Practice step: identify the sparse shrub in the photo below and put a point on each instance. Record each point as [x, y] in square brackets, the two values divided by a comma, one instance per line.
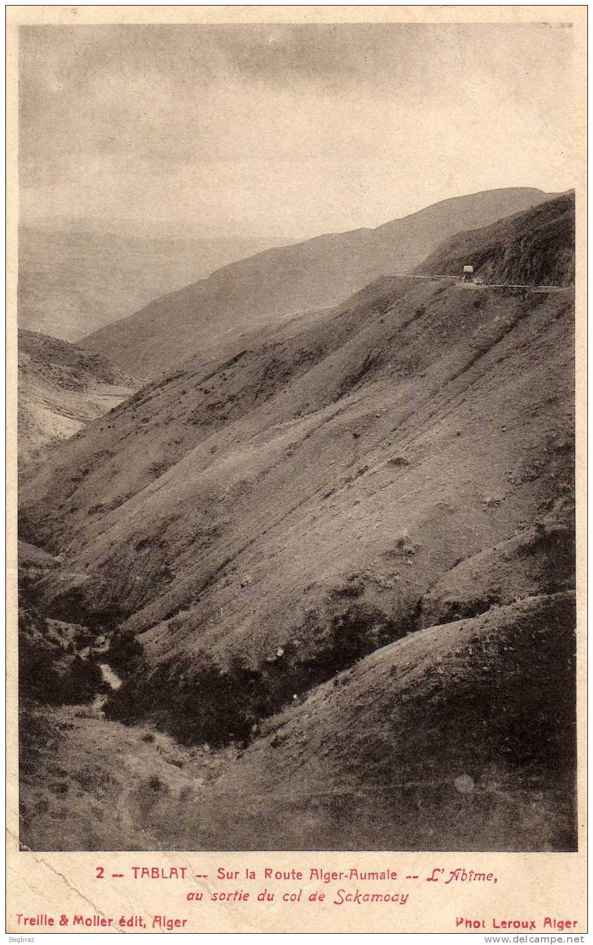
[354, 589]
[126, 653]
[47, 673]
[156, 469]
[85, 681]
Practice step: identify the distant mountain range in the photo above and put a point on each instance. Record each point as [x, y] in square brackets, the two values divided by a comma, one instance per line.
[282, 281]
[74, 280]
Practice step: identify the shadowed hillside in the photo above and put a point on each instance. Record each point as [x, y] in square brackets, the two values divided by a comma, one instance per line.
[290, 279]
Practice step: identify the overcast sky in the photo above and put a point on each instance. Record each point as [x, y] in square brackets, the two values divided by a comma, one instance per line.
[287, 131]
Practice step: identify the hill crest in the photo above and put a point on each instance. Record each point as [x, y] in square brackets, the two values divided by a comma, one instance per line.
[261, 289]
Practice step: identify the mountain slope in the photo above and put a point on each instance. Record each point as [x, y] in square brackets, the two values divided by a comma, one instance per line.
[75, 280]
[287, 511]
[438, 741]
[61, 388]
[316, 273]
[533, 248]
[346, 552]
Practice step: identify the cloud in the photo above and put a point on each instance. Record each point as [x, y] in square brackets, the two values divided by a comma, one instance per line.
[295, 129]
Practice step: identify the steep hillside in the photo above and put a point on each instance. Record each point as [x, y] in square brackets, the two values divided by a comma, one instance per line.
[533, 248]
[458, 738]
[341, 473]
[316, 273]
[438, 741]
[61, 388]
[75, 280]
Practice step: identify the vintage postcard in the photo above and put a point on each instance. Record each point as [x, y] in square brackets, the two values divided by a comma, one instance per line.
[296, 355]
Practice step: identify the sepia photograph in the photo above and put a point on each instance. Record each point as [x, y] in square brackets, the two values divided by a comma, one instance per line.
[296, 434]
